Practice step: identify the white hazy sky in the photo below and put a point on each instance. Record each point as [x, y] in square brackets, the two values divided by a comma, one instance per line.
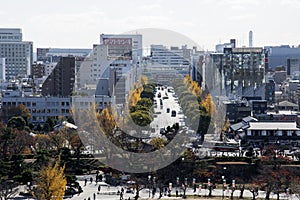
[78, 23]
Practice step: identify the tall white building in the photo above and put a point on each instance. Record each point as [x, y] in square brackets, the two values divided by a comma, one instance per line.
[2, 69]
[18, 54]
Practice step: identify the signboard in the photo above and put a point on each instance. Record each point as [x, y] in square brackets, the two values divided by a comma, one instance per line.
[117, 41]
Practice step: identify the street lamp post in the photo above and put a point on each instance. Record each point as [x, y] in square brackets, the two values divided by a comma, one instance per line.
[223, 179]
[149, 180]
[170, 189]
[209, 187]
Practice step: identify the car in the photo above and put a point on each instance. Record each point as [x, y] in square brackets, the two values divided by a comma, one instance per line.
[173, 113]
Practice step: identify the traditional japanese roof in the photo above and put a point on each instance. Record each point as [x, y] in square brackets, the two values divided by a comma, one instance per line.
[287, 104]
[275, 125]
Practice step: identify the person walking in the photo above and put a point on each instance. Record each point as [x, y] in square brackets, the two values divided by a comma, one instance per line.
[121, 196]
[99, 188]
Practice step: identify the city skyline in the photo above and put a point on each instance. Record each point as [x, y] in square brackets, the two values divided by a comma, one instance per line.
[66, 24]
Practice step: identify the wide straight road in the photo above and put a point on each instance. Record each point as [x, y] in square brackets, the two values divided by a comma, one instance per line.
[165, 103]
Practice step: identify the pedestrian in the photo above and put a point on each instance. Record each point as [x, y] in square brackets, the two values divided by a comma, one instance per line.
[91, 179]
[121, 196]
[80, 189]
[85, 181]
[94, 196]
[99, 188]
[153, 192]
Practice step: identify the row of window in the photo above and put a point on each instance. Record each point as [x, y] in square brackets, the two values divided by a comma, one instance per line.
[273, 133]
[55, 110]
[35, 104]
[10, 37]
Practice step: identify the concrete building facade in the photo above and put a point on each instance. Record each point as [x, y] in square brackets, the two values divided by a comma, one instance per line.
[61, 81]
[18, 54]
[2, 69]
[54, 54]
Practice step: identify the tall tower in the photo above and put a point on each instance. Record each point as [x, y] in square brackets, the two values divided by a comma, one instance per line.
[250, 39]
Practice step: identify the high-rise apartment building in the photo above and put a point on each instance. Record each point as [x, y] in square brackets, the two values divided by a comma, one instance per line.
[61, 81]
[2, 69]
[18, 54]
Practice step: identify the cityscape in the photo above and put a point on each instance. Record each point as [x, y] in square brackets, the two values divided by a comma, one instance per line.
[148, 114]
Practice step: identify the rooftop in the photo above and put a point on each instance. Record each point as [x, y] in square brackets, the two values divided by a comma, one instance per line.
[273, 126]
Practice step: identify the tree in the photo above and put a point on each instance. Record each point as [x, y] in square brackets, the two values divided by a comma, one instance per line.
[49, 123]
[209, 105]
[134, 96]
[20, 110]
[16, 122]
[142, 118]
[158, 143]
[107, 121]
[7, 136]
[51, 183]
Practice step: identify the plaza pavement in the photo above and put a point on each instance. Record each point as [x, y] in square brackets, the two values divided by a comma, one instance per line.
[111, 193]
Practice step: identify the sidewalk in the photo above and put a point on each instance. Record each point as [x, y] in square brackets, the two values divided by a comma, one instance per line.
[90, 192]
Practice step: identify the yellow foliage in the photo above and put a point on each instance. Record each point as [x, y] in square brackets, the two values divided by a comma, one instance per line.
[134, 96]
[143, 80]
[209, 105]
[51, 183]
[193, 86]
[187, 79]
[107, 121]
[226, 125]
[196, 89]
[158, 143]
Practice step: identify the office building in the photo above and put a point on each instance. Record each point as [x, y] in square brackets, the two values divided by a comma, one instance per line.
[54, 54]
[279, 55]
[293, 66]
[42, 107]
[18, 54]
[175, 58]
[123, 46]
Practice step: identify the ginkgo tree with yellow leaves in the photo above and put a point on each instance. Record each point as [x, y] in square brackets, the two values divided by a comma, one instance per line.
[51, 182]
